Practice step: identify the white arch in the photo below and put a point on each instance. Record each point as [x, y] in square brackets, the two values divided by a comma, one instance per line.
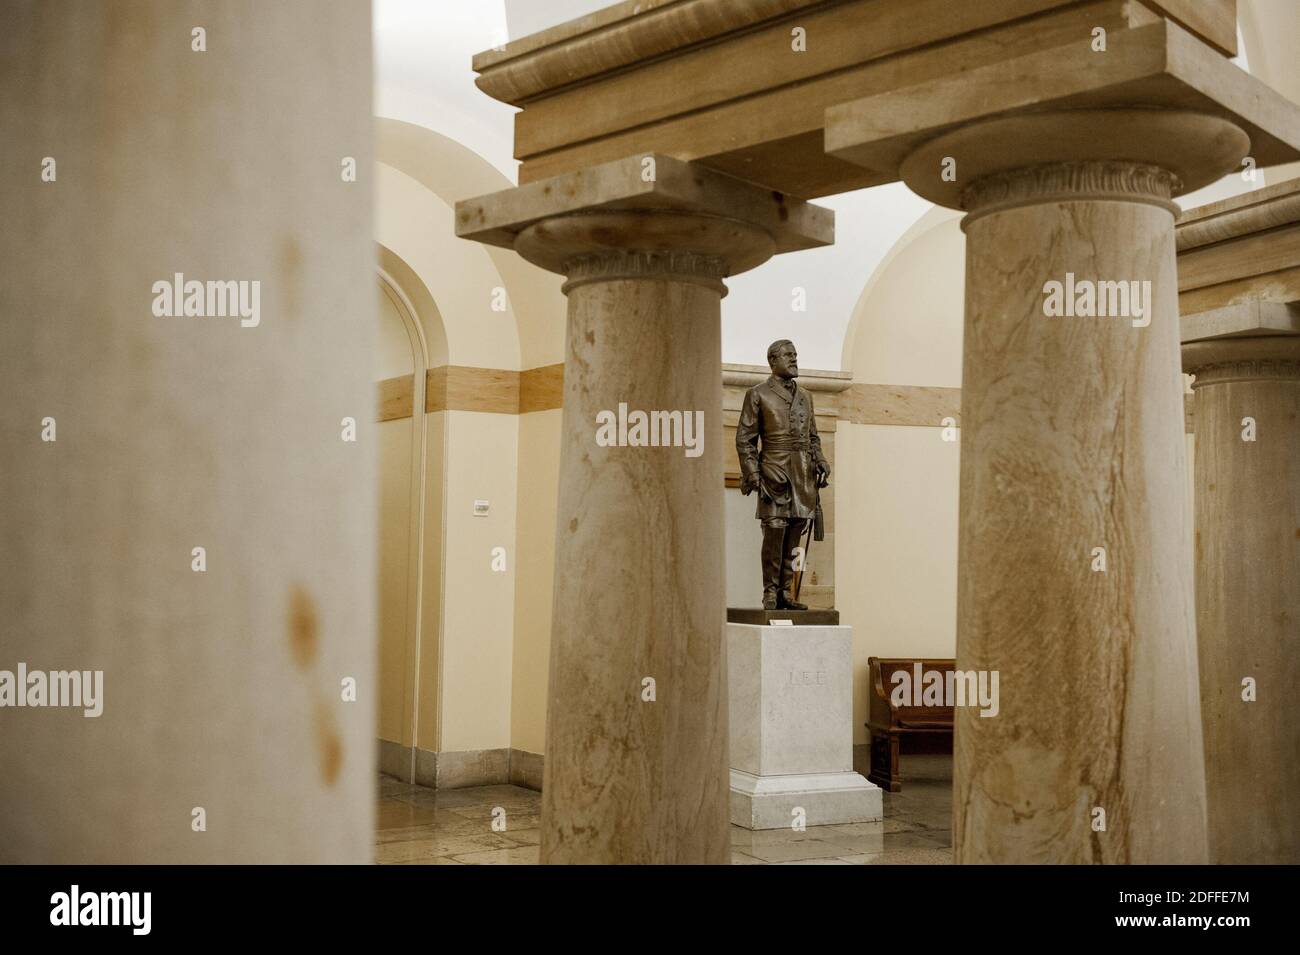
[914, 242]
[418, 465]
[451, 172]
[417, 226]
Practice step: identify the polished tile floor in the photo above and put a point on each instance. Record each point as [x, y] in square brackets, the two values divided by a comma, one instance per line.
[418, 826]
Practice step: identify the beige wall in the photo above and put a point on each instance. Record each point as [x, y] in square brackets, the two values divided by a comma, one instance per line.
[907, 325]
[1270, 34]
[393, 354]
[473, 625]
[431, 592]
[473, 694]
[744, 542]
[896, 561]
[481, 463]
[897, 486]
[395, 530]
[539, 473]
[452, 172]
[418, 226]
[485, 633]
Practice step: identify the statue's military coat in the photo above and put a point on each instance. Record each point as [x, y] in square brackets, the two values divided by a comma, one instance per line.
[786, 466]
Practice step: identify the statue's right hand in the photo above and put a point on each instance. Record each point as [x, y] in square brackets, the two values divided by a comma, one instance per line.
[748, 485]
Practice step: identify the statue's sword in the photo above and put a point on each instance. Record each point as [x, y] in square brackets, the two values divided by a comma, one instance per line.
[807, 545]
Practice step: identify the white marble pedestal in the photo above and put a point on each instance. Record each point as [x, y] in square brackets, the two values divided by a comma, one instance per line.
[791, 713]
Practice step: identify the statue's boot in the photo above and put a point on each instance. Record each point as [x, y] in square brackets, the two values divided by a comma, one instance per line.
[773, 542]
[784, 600]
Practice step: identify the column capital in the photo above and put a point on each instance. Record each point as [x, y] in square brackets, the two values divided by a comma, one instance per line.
[643, 216]
[644, 243]
[1131, 155]
[1156, 95]
[1062, 181]
[1216, 361]
[608, 265]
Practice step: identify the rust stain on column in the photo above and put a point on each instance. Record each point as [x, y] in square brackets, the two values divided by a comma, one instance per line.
[328, 743]
[304, 639]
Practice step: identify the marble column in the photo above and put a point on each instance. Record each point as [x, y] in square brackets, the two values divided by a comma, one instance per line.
[1072, 441]
[636, 735]
[1074, 564]
[1247, 503]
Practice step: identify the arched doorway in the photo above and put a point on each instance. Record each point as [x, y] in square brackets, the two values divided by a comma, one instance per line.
[409, 448]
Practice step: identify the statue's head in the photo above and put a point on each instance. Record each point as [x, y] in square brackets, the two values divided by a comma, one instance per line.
[783, 359]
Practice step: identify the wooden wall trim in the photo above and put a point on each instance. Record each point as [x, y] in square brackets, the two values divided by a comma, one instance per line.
[541, 389]
[396, 396]
[461, 388]
[815, 380]
[500, 391]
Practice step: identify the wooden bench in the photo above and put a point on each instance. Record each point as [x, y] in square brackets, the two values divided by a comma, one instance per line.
[929, 726]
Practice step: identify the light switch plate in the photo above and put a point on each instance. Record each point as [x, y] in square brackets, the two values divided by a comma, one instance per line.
[480, 508]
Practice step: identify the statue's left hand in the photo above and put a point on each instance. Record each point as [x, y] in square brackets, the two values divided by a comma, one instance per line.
[823, 475]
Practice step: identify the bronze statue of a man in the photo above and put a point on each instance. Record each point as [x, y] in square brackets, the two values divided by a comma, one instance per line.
[786, 470]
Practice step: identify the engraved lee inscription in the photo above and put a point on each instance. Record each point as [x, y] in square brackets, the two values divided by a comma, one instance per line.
[807, 677]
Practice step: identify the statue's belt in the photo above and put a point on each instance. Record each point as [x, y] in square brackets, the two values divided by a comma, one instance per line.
[786, 444]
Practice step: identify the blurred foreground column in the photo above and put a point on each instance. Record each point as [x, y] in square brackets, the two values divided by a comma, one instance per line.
[1239, 271]
[148, 146]
[636, 730]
